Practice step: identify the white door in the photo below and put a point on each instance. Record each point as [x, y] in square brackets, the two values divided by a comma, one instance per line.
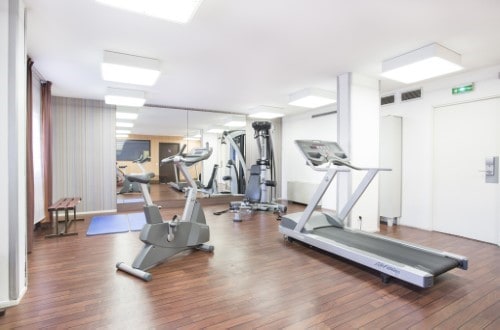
[463, 204]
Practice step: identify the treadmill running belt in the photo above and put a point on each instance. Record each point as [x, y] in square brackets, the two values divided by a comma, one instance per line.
[423, 260]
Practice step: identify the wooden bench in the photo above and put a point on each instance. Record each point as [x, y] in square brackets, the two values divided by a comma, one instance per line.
[64, 204]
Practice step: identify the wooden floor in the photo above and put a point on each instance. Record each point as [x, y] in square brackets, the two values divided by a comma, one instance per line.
[254, 279]
[157, 191]
[167, 197]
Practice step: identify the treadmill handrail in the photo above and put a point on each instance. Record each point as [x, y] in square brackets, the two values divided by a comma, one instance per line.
[323, 187]
[329, 162]
[340, 164]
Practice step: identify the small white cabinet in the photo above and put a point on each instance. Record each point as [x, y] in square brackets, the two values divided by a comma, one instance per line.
[390, 156]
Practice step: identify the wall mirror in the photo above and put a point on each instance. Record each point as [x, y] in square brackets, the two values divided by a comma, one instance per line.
[159, 132]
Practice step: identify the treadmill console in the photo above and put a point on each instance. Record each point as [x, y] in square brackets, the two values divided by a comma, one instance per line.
[321, 152]
[192, 157]
[197, 155]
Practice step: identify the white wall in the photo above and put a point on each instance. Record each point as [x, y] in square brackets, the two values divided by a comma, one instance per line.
[4, 191]
[418, 137]
[13, 147]
[303, 126]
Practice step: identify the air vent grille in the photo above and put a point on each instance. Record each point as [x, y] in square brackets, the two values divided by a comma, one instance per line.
[389, 99]
[410, 95]
[324, 114]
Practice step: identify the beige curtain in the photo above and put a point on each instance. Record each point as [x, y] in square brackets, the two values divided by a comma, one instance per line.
[84, 152]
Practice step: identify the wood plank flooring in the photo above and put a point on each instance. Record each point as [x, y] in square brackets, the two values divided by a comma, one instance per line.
[167, 197]
[254, 279]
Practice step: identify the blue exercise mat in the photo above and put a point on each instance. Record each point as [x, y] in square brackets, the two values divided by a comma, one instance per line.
[136, 221]
[108, 224]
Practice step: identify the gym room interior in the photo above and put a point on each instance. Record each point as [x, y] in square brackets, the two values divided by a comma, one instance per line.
[219, 198]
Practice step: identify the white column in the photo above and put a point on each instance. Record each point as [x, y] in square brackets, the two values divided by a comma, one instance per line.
[13, 145]
[358, 106]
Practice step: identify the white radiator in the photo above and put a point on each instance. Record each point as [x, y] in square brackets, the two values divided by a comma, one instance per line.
[301, 192]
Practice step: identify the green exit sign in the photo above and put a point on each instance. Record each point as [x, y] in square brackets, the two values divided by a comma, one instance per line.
[462, 89]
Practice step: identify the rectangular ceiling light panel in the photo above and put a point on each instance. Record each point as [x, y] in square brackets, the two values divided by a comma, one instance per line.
[266, 115]
[266, 112]
[312, 98]
[427, 62]
[235, 123]
[125, 97]
[215, 131]
[130, 69]
[179, 11]
[124, 124]
[126, 115]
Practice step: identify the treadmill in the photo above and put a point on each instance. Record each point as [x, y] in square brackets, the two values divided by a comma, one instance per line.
[393, 258]
[182, 186]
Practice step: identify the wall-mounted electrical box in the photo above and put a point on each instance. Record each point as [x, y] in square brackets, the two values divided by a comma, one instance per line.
[491, 169]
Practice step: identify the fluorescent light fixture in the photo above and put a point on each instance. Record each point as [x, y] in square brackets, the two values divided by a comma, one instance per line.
[192, 138]
[130, 69]
[215, 131]
[266, 112]
[124, 124]
[179, 11]
[427, 62]
[122, 136]
[126, 97]
[312, 98]
[123, 131]
[266, 115]
[126, 115]
[236, 123]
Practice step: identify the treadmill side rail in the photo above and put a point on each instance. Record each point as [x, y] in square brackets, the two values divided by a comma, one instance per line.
[463, 262]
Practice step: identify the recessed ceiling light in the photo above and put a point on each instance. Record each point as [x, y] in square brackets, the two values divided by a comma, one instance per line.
[126, 115]
[124, 124]
[122, 136]
[427, 62]
[179, 11]
[130, 69]
[125, 97]
[122, 131]
[236, 123]
[266, 115]
[266, 112]
[215, 131]
[312, 98]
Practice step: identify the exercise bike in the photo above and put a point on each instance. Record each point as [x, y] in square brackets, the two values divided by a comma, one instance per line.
[165, 239]
[135, 187]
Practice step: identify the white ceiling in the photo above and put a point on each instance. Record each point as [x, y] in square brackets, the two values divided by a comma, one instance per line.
[238, 54]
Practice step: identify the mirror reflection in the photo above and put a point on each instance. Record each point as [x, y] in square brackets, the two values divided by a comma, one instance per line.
[158, 133]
